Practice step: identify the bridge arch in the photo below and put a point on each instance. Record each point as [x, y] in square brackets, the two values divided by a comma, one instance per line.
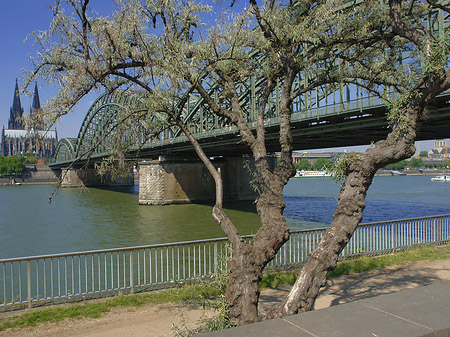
[108, 122]
[65, 151]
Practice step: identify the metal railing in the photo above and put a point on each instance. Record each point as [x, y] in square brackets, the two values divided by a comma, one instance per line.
[64, 277]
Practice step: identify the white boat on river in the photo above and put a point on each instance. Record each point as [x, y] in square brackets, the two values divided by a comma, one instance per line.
[311, 174]
[441, 178]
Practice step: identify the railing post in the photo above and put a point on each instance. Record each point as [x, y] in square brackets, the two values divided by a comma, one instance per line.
[216, 260]
[392, 235]
[131, 272]
[434, 230]
[29, 283]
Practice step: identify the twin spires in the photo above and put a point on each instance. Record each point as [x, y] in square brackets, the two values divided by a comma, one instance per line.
[16, 116]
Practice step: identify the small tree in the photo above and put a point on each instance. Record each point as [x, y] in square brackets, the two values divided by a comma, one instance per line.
[12, 166]
[322, 164]
[303, 164]
[159, 48]
[396, 166]
[424, 154]
[415, 162]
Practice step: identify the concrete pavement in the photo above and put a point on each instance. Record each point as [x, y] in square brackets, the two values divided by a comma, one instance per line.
[422, 311]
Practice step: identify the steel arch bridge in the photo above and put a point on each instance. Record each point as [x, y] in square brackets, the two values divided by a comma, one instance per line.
[328, 116]
[106, 123]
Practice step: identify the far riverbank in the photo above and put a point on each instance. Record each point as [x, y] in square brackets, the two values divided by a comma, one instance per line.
[34, 174]
[42, 174]
[413, 172]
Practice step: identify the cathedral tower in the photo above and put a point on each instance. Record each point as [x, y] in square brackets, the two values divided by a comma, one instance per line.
[15, 121]
[36, 120]
[36, 139]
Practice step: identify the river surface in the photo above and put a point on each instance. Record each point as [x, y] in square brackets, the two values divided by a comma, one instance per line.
[79, 220]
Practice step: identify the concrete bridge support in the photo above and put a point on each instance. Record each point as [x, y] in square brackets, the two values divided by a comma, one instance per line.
[164, 182]
[89, 177]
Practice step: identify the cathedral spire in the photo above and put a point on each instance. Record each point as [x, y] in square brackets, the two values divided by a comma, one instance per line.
[16, 112]
[16, 100]
[36, 120]
[36, 102]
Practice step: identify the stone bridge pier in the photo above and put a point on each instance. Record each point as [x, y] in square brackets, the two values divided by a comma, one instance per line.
[171, 181]
[89, 177]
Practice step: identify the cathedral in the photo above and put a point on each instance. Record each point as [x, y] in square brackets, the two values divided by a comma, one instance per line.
[19, 139]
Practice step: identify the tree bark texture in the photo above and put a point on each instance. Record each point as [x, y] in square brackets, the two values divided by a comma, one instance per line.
[361, 169]
[249, 260]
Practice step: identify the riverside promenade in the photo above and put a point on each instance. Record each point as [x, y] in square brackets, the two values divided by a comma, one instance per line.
[426, 285]
[422, 311]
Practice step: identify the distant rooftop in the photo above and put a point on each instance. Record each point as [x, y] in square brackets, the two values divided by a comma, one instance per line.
[51, 134]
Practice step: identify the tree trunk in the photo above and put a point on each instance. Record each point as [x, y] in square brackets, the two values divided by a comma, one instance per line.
[324, 258]
[243, 293]
[249, 260]
[361, 169]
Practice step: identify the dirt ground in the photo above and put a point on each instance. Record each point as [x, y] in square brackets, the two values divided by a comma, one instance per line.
[159, 320]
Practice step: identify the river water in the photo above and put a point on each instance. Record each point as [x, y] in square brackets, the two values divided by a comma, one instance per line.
[79, 220]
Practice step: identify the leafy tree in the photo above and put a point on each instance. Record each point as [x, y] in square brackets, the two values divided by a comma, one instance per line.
[396, 166]
[424, 154]
[415, 162]
[30, 158]
[12, 166]
[323, 163]
[161, 49]
[303, 164]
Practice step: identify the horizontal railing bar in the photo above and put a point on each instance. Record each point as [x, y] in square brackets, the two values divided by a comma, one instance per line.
[181, 243]
[113, 250]
[74, 275]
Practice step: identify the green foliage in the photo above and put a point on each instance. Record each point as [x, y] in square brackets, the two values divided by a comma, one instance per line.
[366, 263]
[218, 304]
[361, 264]
[323, 164]
[396, 166]
[339, 169]
[435, 56]
[415, 162]
[12, 166]
[187, 293]
[396, 111]
[279, 279]
[424, 153]
[303, 164]
[30, 158]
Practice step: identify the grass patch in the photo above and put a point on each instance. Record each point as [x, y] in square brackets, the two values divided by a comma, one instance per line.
[363, 263]
[205, 291]
[278, 279]
[194, 293]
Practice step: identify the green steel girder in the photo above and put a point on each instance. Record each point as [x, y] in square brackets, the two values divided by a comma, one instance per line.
[314, 112]
[65, 151]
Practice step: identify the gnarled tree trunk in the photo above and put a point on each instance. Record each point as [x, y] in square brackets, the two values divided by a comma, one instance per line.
[361, 169]
[249, 260]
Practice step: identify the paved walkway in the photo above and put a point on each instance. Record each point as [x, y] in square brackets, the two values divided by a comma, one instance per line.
[422, 311]
[158, 320]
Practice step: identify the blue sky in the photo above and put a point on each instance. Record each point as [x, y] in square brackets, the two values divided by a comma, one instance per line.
[18, 18]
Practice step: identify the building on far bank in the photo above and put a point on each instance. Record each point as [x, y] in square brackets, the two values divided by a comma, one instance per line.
[20, 138]
[313, 156]
[439, 152]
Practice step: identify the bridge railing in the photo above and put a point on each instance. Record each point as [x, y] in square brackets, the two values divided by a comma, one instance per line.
[35, 280]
